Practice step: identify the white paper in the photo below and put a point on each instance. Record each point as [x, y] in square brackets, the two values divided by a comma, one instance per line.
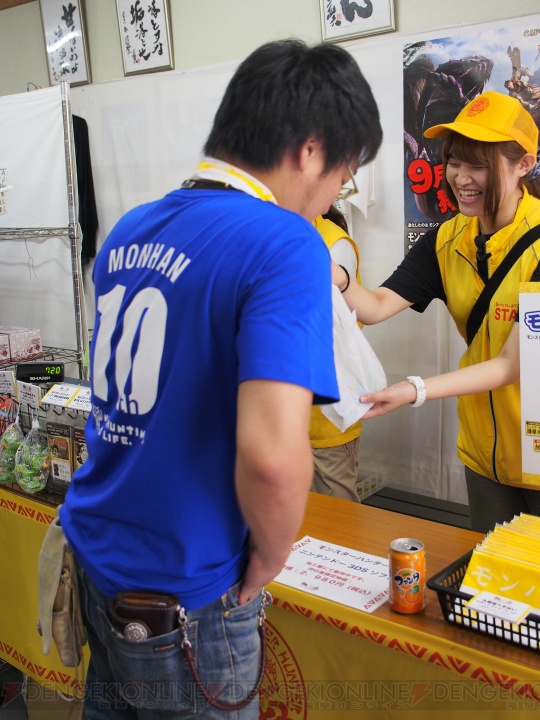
[29, 394]
[7, 382]
[500, 607]
[60, 394]
[337, 573]
[81, 400]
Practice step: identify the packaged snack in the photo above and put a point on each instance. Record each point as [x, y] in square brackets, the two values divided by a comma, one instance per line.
[60, 450]
[9, 445]
[32, 461]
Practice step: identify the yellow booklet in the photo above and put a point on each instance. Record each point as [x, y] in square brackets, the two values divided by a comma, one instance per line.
[507, 562]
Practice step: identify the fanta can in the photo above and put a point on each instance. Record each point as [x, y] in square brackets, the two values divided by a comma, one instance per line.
[407, 574]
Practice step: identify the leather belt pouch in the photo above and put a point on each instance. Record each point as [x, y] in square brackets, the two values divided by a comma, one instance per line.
[60, 617]
[139, 615]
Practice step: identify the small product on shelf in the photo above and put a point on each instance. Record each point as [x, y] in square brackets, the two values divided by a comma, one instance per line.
[8, 408]
[32, 461]
[59, 442]
[80, 452]
[9, 444]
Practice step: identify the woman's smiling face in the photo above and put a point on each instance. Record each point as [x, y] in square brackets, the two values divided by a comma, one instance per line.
[469, 183]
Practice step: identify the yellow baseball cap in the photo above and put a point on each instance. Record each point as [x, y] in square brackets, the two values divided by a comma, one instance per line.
[492, 117]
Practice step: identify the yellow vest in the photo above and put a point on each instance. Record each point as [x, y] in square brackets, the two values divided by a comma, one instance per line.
[489, 440]
[322, 432]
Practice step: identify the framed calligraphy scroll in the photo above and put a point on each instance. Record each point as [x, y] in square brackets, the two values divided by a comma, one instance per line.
[344, 19]
[145, 35]
[65, 41]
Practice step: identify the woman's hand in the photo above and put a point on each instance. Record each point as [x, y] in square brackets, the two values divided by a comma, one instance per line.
[392, 398]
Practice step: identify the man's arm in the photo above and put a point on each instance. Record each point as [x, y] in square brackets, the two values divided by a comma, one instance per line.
[274, 471]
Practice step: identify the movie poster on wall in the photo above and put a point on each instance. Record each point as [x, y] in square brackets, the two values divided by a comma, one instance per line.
[440, 77]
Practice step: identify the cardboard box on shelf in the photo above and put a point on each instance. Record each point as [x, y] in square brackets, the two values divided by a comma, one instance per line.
[23, 344]
[4, 350]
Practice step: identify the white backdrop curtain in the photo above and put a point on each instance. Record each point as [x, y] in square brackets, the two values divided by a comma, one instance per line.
[36, 287]
[146, 135]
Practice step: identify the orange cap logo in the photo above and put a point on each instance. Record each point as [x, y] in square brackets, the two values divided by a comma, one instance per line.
[477, 106]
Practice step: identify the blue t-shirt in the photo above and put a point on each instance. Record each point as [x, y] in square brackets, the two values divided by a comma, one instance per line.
[195, 293]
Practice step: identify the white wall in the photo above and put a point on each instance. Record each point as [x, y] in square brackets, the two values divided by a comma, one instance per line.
[214, 31]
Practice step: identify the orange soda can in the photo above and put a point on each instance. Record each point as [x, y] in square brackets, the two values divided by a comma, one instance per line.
[407, 574]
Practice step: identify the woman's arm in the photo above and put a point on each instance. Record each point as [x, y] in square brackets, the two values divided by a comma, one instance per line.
[342, 253]
[372, 306]
[484, 376]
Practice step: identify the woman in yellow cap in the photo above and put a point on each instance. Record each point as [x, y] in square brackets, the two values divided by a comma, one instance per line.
[335, 453]
[491, 174]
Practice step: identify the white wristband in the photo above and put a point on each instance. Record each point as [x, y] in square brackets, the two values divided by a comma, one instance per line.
[420, 386]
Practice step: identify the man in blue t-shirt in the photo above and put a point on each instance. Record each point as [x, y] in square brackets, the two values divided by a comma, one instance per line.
[213, 338]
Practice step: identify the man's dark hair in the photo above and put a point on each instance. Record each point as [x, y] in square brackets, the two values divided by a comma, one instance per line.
[286, 92]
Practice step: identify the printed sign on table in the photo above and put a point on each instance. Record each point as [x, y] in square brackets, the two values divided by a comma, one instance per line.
[337, 573]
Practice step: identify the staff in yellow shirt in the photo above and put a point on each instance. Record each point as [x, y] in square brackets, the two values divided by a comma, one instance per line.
[335, 453]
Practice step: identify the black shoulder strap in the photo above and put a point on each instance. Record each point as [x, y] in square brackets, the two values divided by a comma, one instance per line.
[482, 304]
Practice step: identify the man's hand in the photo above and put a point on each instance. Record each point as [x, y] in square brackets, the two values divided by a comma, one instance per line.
[258, 575]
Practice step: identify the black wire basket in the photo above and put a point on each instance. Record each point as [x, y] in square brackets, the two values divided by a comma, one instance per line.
[447, 585]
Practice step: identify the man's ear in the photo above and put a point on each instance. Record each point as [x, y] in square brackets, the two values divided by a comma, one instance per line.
[312, 149]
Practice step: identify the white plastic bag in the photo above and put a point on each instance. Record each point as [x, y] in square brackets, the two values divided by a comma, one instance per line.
[358, 369]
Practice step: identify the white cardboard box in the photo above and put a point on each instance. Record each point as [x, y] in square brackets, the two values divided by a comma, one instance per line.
[23, 343]
[4, 350]
[529, 358]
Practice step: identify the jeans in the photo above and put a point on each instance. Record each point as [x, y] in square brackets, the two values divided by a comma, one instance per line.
[151, 679]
